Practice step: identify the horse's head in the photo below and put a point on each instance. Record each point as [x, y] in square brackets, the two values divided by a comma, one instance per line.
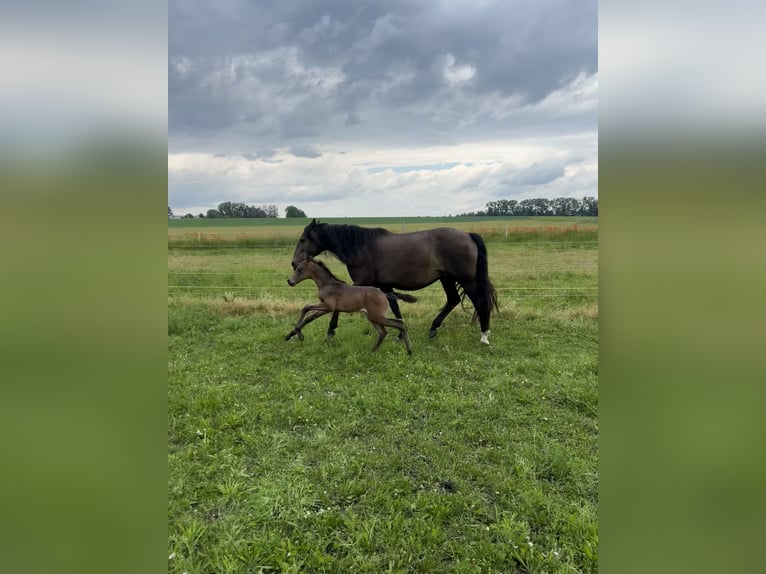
[301, 272]
[309, 244]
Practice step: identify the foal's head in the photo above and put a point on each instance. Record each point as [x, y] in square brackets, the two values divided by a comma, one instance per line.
[302, 271]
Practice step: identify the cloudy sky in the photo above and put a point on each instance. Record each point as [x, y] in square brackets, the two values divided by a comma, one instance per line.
[372, 108]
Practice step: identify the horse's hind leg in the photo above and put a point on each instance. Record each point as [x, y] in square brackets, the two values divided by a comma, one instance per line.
[394, 304]
[482, 310]
[399, 324]
[453, 298]
[333, 325]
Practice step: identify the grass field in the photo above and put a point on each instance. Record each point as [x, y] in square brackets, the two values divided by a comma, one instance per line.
[325, 457]
[203, 232]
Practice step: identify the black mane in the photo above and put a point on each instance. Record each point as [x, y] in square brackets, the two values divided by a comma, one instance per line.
[345, 241]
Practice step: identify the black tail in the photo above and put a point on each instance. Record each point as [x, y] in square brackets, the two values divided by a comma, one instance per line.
[402, 296]
[486, 293]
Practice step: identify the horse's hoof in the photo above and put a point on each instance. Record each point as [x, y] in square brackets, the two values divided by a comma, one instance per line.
[300, 335]
[432, 334]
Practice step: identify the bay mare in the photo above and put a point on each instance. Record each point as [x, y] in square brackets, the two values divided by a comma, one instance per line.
[408, 261]
[335, 295]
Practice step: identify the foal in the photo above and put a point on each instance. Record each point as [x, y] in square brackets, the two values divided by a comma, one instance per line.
[335, 295]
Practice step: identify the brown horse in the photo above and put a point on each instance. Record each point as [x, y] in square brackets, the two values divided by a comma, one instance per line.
[336, 296]
[408, 261]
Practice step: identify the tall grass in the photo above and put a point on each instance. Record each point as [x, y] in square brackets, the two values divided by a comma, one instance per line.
[236, 234]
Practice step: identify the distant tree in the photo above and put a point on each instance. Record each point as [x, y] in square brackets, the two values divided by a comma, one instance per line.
[188, 216]
[565, 206]
[527, 207]
[542, 206]
[502, 207]
[271, 210]
[292, 211]
[170, 211]
[201, 216]
[589, 206]
[253, 211]
[213, 213]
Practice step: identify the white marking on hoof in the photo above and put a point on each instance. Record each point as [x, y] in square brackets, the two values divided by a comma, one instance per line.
[484, 338]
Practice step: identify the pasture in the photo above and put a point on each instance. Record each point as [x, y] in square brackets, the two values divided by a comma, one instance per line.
[324, 457]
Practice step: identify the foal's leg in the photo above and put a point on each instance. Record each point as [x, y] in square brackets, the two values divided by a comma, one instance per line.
[313, 312]
[306, 309]
[453, 298]
[399, 324]
[381, 334]
[333, 325]
[305, 321]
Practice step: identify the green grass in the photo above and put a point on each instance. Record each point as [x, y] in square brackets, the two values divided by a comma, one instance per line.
[325, 457]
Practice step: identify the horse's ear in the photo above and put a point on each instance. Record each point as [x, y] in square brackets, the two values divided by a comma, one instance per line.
[313, 223]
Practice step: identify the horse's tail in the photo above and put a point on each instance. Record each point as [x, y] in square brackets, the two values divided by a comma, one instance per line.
[486, 293]
[401, 296]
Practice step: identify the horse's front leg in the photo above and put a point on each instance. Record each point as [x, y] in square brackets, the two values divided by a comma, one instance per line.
[333, 325]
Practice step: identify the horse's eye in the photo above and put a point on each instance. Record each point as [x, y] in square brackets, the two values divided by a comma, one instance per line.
[302, 240]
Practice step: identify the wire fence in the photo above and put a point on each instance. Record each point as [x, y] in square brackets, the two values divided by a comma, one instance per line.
[233, 245]
[285, 274]
[516, 292]
[538, 274]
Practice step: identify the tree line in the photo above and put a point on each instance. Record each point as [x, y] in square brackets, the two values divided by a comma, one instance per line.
[241, 210]
[541, 206]
[229, 209]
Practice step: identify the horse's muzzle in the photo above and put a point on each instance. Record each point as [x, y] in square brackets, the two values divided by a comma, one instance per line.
[290, 283]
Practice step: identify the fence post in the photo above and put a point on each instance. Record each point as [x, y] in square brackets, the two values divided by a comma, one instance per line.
[506, 232]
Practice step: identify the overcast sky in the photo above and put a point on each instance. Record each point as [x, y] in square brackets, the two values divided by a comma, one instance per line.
[373, 108]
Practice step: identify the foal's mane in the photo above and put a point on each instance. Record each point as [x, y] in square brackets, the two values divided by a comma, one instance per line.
[345, 241]
[327, 269]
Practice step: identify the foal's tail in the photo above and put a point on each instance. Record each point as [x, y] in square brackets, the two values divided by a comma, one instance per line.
[486, 293]
[401, 296]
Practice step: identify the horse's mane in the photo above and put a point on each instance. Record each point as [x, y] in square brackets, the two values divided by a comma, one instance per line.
[345, 241]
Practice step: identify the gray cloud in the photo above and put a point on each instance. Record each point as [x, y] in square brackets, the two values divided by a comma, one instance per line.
[537, 173]
[285, 72]
[344, 75]
[305, 151]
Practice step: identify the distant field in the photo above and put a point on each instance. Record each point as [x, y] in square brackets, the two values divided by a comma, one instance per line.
[325, 457]
[283, 231]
